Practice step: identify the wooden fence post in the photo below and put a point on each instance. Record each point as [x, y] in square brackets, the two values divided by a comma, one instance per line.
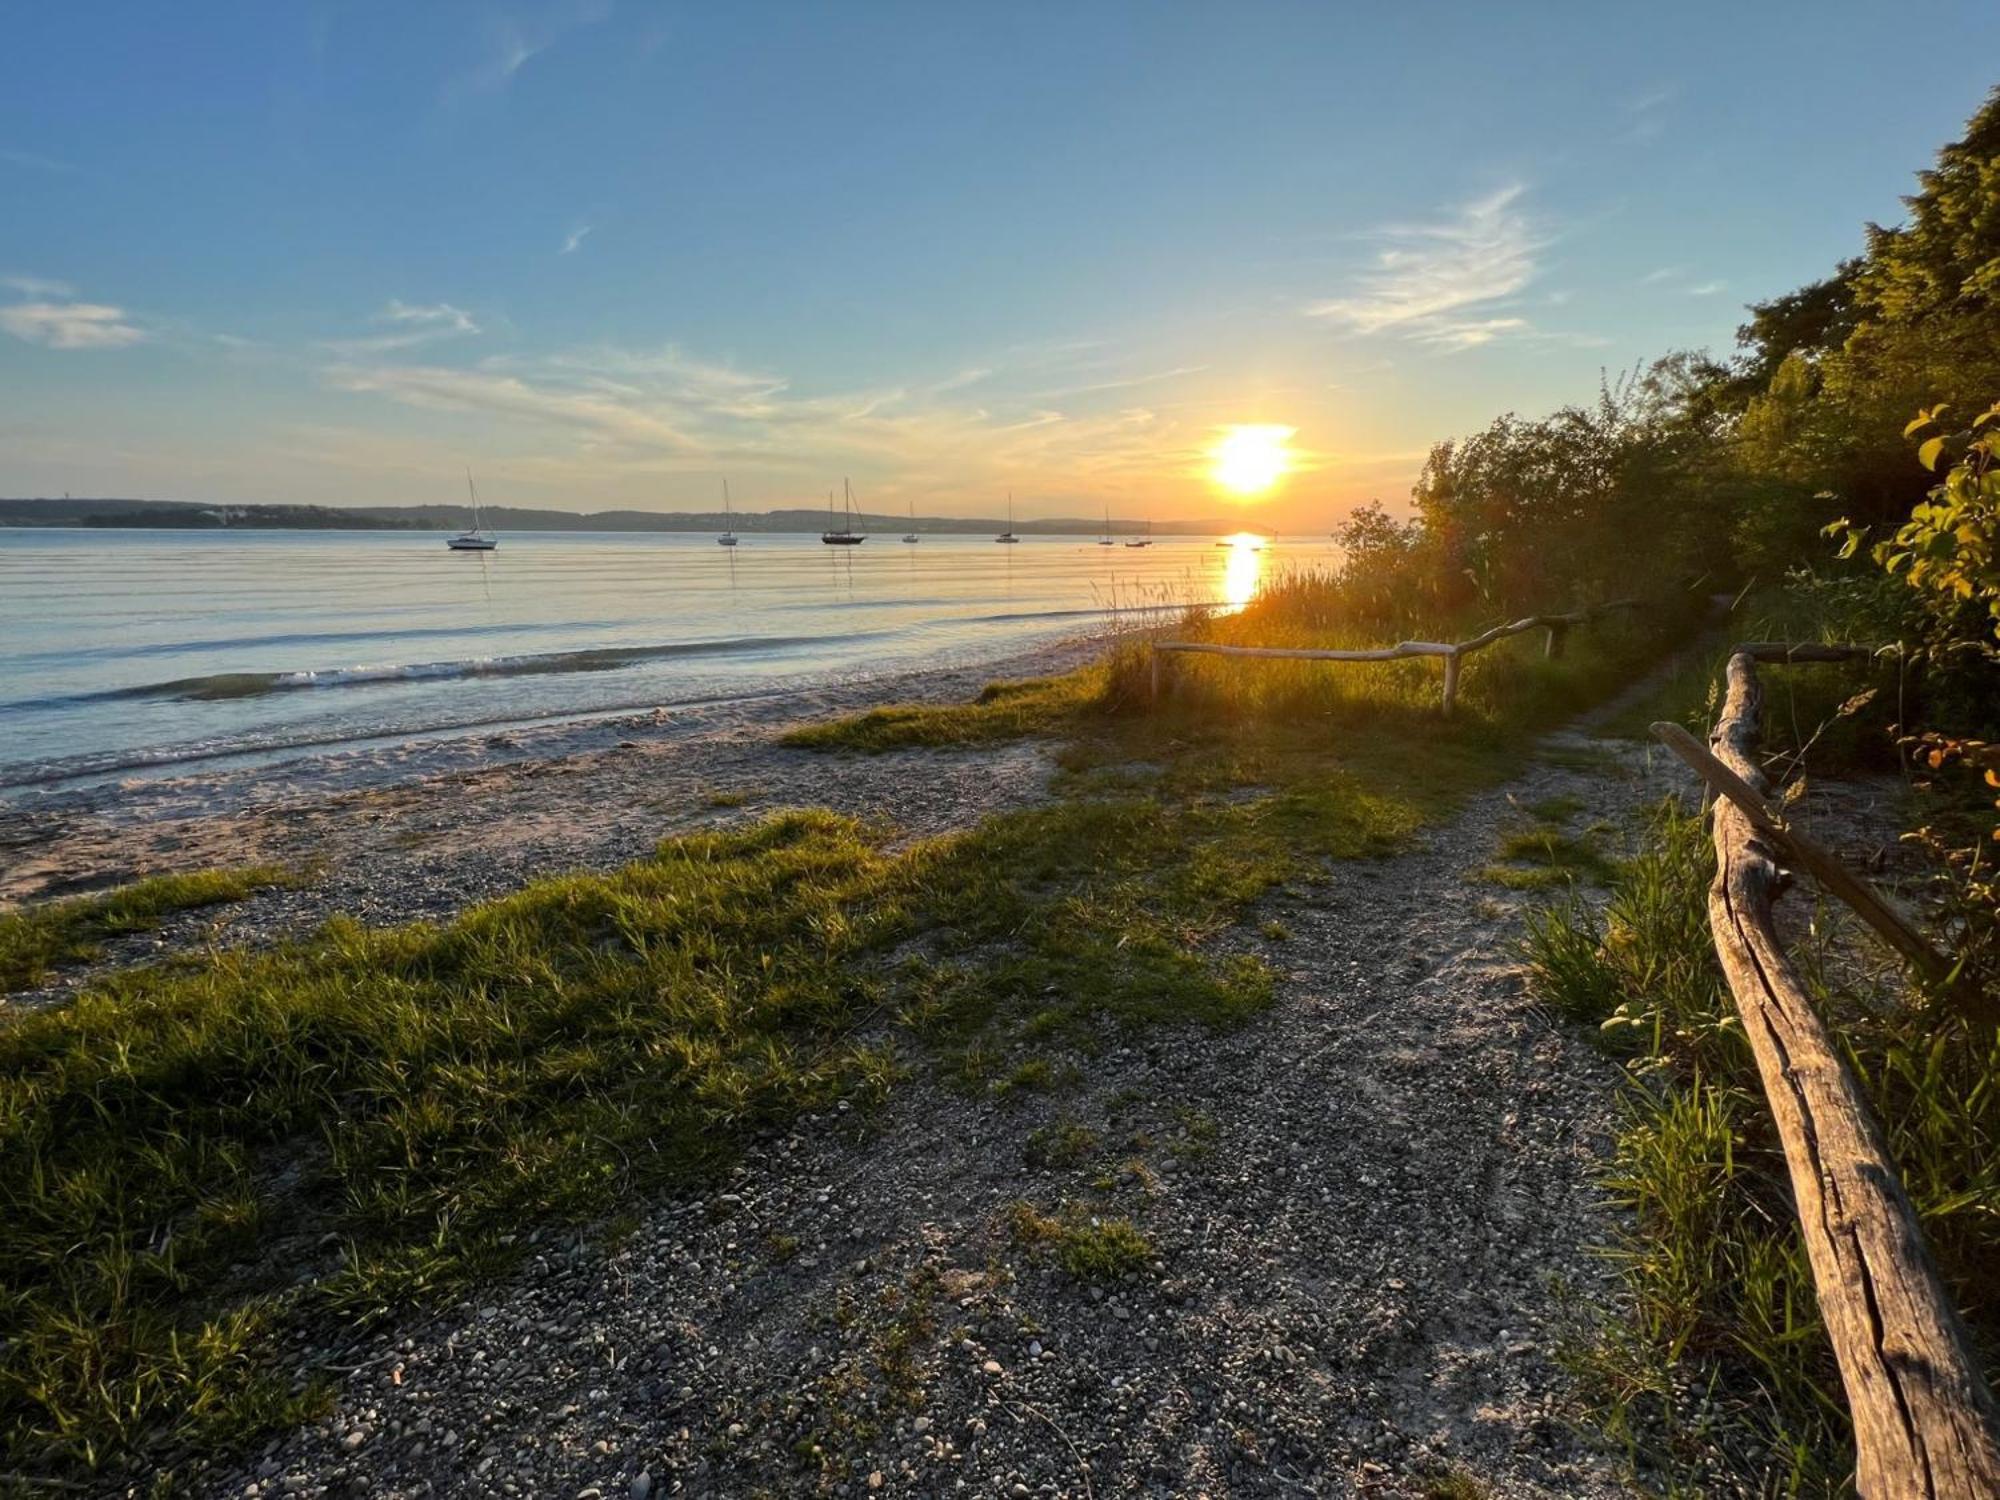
[1153, 655]
[1451, 664]
[1554, 648]
[1924, 1422]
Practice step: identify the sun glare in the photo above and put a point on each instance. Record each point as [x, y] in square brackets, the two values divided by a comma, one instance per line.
[1250, 459]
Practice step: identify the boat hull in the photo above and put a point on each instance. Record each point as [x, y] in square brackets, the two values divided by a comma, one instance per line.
[833, 539]
[471, 543]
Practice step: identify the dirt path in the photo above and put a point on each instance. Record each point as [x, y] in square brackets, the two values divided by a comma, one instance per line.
[1361, 1205]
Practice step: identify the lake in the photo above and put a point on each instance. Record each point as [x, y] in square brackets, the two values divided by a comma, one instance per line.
[128, 650]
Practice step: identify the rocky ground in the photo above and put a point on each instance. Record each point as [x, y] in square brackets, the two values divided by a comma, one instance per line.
[1371, 1214]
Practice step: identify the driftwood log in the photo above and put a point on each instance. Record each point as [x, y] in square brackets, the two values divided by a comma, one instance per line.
[1925, 1424]
[1453, 653]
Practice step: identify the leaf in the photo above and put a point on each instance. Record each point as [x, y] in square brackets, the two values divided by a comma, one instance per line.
[1928, 451]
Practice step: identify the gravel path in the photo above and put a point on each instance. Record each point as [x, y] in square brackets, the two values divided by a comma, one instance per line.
[1362, 1205]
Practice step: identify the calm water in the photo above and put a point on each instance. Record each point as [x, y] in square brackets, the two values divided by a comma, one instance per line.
[128, 649]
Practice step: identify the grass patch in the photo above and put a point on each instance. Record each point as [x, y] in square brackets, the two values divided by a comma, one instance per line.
[1063, 1143]
[1002, 711]
[1536, 858]
[1557, 809]
[197, 1162]
[1089, 1249]
[40, 938]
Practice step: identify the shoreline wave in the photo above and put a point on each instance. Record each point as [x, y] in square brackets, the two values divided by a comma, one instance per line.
[229, 686]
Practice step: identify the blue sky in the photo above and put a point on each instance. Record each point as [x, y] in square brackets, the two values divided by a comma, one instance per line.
[606, 252]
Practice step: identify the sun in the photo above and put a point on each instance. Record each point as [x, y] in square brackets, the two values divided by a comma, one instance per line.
[1250, 459]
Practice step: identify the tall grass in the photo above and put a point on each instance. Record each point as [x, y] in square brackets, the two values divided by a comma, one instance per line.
[1722, 1379]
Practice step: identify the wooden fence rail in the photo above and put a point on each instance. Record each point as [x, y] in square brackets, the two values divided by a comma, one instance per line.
[1452, 653]
[1925, 1424]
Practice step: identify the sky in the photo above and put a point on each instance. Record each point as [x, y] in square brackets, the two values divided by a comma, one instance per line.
[606, 253]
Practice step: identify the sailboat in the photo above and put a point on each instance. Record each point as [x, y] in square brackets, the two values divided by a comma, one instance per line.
[846, 536]
[1105, 540]
[728, 537]
[1142, 541]
[911, 534]
[474, 540]
[1008, 534]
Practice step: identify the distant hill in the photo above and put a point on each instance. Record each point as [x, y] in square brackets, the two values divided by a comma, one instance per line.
[190, 515]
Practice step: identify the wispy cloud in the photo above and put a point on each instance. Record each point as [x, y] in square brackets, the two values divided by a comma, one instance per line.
[1124, 383]
[409, 326]
[1447, 283]
[70, 325]
[1677, 277]
[665, 410]
[33, 161]
[37, 286]
[515, 39]
[50, 315]
[575, 238]
[1646, 114]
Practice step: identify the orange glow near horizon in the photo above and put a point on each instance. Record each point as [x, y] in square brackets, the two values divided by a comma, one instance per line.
[1251, 458]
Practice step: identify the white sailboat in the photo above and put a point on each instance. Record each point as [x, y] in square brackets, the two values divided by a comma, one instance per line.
[1008, 534]
[1142, 541]
[728, 537]
[846, 536]
[1105, 540]
[475, 540]
[911, 534]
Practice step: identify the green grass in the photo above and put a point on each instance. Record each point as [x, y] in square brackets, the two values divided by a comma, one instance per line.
[1002, 711]
[386, 1111]
[40, 938]
[1721, 1380]
[1536, 858]
[1064, 1143]
[1088, 1248]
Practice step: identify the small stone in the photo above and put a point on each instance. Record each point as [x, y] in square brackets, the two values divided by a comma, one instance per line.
[642, 1485]
[1035, 1349]
[992, 1367]
[354, 1439]
[875, 1480]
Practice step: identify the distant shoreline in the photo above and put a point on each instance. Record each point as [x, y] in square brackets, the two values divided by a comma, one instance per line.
[174, 515]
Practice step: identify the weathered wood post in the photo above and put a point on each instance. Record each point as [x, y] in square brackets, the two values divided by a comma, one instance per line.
[1925, 1425]
[1451, 664]
[1552, 650]
[1153, 654]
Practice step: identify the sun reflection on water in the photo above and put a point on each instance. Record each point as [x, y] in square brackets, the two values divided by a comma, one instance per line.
[1243, 568]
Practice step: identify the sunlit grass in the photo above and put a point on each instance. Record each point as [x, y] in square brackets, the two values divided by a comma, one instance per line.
[40, 938]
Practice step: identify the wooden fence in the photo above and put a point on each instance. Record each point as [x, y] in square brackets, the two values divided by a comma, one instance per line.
[1453, 654]
[1925, 1424]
